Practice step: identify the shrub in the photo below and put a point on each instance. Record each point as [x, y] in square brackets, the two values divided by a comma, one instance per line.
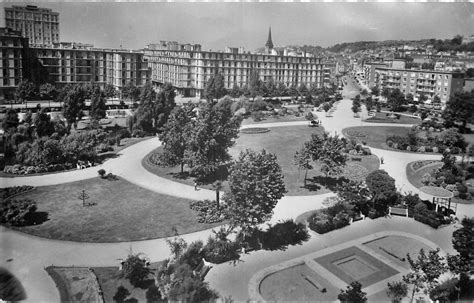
[429, 217]
[420, 208]
[17, 212]
[329, 219]
[218, 250]
[207, 211]
[101, 173]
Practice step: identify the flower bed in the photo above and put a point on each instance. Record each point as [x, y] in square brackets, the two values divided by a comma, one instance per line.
[10, 192]
[254, 130]
[19, 169]
[420, 164]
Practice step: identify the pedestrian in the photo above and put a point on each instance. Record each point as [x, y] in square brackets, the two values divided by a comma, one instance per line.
[195, 185]
[381, 160]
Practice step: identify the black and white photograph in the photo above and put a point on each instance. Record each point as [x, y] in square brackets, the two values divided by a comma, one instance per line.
[237, 151]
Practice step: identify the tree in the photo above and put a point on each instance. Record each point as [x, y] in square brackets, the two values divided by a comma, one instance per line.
[422, 98]
[385, 92]
[364, 93]
[215, 87]
[109, 91]
[281, 89]
[436, 100]
[326, 107]
[271, 88]
[353, 294]
[382, 189]
[331, 156]
[355, 194]
[26, 90]
[43, 124]
[356, 105]
[302, 159]
[236, 91]
[213, 133]
[375, 91]
[255, 84]
[10, 121]
[165, 103]
[175, 134]
[134, 269]
[425, 271]
[131, 92]
[397, 291]
[396, 100]
[98, 107]
[256, 184]
[74, 101]
[459, 109]
[410, 98]
[463, 242]
[48, 91]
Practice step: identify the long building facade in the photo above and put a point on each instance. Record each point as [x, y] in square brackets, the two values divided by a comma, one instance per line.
[188, 67]
[39, 25]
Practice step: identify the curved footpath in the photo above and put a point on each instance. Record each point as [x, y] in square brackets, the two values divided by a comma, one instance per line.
[26, 256]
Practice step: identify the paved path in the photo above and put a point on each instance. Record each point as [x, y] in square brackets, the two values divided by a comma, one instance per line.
[30, 254]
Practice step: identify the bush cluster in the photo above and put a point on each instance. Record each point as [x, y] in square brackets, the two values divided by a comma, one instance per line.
[333, 217]
[207, 211]
[15, 190]
[426, 216]
[219, 250]
[17, 212]
[19, 169]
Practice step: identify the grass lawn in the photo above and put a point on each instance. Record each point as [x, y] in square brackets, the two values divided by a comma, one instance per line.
[273, 119]
[384, 118]
[415, 177]
[375, 136]
[284, 142]
[123, 212]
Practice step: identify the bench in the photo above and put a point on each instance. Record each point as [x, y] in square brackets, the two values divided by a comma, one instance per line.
[312, 282]
[398, 211]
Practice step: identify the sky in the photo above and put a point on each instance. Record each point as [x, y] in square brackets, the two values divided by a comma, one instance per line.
[217, 25]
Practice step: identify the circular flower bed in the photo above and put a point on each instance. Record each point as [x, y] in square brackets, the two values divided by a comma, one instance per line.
[254, 130]
[355, 133]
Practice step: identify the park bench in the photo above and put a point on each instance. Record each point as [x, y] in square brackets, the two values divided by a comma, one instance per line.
[313, 282]
[398, 211]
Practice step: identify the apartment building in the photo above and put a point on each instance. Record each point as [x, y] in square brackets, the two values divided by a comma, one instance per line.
[428, 82]
[39, 25]
[13, 48]
[188, 67]
[69, 63]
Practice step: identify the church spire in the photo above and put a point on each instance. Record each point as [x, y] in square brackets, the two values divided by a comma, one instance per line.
[269, 44]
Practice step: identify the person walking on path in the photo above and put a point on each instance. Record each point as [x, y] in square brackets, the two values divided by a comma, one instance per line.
[381, 160]
[196, 185]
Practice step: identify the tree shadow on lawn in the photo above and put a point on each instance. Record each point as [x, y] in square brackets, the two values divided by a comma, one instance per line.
[221, 174]
[36, 218]
[331, 183]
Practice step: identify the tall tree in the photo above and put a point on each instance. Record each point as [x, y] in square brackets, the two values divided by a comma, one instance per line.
[10, 121]
[302, 159]
[26, 90]
[375, 91]
[215, 87]
[271, 88]
[48, 91]
[164, 104]
[463, 242]
[98, 107]
[396, 100]
[214, 132]
[74, 101]
[255, 84]
[282, 90]
[425, 270]
[382, 189]
[131, 92]
[459, 109]
[43, 124]
[134, 269]
[109, 91]
[175, 134]
[256, 184]
[397, 291]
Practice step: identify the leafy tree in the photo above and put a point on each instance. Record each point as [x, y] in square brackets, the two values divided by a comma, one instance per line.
[98, 107]
[26, 90]
[10, 121]
[109, 91]
[459, 109]
[353, 294]
[131, 92]
[43, 124]
[375, 91]
[281, 89]
[425, 270]
[255, 84]
[134, 269]
[48, 91]
[236, 91]
[302, 159]
[356, 105]
[410, 98]
[463, 242]
[271, 88]
[256, 184]
[331, 156]
[385, 92]
[364, 93]
[382, 189]
[397, 291]
[213, 133]
[396, 100]
[74, 101]
[436, 100]
[422, 98]
[215, 87]
[326, 107]
[175, 134]
[354, 193]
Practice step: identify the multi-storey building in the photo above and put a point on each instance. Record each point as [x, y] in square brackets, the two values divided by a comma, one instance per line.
[416, 82]
[188, 67]
[69, 63]
[13, 48]
[39, 25]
